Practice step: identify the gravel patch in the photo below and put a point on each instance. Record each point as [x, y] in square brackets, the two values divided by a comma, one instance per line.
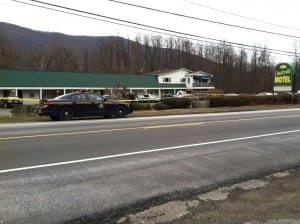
[276, 221]
[5, 112]
[274, 199]
[251, 184]
[217, 195]
[163, 213]
[280, 175]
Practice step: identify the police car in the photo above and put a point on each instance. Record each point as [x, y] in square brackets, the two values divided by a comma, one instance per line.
[79, 104]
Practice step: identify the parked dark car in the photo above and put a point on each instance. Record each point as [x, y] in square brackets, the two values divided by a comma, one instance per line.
[10, 102]
[67, 106]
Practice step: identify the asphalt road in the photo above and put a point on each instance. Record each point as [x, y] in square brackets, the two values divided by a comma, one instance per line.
[54, 172]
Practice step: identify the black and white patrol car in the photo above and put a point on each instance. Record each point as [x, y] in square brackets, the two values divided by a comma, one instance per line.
[78, 104]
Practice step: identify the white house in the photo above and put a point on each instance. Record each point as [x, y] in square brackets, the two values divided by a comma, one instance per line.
[173, 77]
[192, 80]
[199, 81]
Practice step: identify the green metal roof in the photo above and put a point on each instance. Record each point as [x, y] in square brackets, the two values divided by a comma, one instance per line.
[42, 79]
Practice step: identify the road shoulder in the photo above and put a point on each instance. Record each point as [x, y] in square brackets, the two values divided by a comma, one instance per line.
[273, 199]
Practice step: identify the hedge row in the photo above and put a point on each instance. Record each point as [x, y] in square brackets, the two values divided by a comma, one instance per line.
[141, 106]
[177, 103]
[236, 101]
[164, 104]
[218, 101]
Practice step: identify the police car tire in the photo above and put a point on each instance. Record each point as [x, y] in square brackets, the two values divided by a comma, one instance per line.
[120, 111]
[65, 113]
[54, 118]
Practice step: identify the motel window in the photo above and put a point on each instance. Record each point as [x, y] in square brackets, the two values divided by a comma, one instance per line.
[31, 94]
[166, 79]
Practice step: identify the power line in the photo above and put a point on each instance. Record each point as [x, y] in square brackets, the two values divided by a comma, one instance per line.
[79, 15]
[150, 28]
[205, 20]
[240, 16]
[289, 3]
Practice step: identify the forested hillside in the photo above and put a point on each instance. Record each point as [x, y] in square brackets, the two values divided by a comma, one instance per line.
[243, 71]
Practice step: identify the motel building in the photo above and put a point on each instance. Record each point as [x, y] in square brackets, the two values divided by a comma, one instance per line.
[37, 85]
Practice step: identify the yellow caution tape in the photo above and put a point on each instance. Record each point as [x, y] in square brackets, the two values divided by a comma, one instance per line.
[20, 99]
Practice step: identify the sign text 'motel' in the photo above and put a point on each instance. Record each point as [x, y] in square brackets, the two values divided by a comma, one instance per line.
[283, 77]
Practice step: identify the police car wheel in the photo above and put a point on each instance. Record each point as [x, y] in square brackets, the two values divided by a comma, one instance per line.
[54, 118]
[66, 113]
[120, 112]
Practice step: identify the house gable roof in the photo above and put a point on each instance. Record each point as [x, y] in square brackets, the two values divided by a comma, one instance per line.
[157, 73]
[44, 79]
[201, 73]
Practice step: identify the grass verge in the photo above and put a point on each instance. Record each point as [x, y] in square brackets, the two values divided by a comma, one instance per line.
[36, 118]
[19, 118]
[210, 110]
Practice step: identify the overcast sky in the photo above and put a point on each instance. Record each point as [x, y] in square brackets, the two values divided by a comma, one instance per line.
[284, 14]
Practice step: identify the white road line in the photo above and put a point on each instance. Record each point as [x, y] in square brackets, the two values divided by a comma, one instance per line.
[147, 151]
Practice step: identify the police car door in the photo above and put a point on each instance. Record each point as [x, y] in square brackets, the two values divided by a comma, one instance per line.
[97, 104]
[81, 104]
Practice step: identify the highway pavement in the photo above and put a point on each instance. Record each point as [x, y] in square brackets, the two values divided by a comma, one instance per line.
[56, 172]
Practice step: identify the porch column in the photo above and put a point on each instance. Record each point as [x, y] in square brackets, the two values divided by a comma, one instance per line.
[41, 94]
[159, 93]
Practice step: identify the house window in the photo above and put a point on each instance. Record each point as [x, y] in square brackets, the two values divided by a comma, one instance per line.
[166, 79]
[31, 94]
[182, 80]
[189, 80]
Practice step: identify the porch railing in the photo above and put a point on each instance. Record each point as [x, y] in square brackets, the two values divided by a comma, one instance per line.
[203, 84]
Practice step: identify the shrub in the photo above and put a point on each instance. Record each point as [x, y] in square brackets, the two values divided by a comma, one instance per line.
[24, 110]
[141, 106]
[177, 103]
[160, 106]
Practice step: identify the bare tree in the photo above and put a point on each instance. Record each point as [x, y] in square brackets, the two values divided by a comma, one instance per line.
[239, 71]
